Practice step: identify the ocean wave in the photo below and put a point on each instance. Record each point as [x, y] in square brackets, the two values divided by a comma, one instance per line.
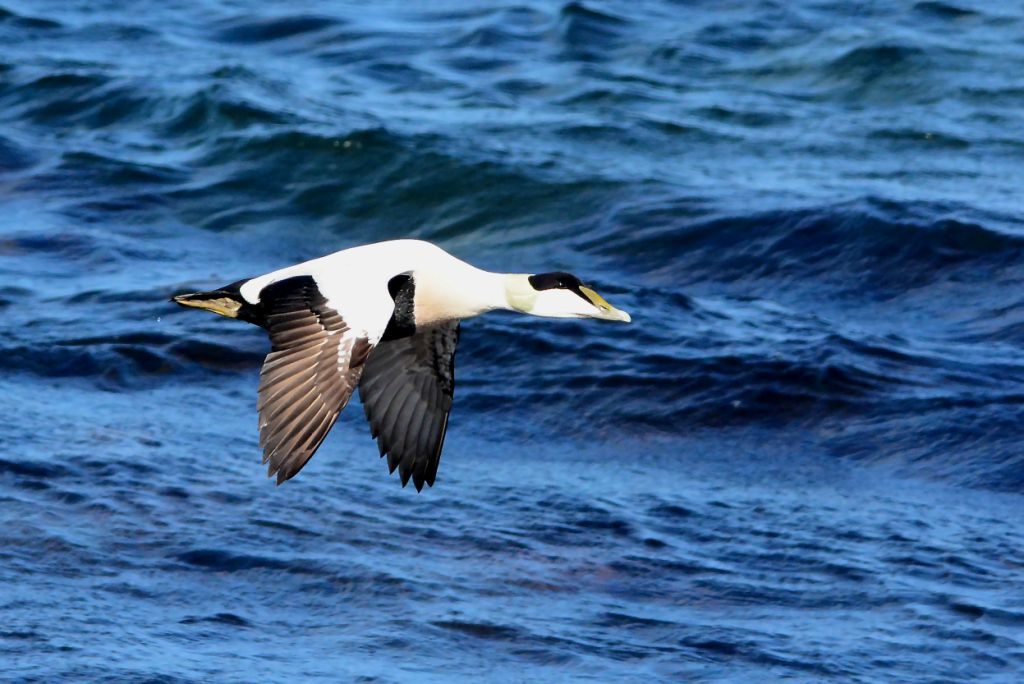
[377, 182]
[80, 95]
[588, 33]
[129, 361]
[943, 10]
[89, 97]
[22, 21]
[249, 31]
[865, 64]
[14, 157]
[896, 246]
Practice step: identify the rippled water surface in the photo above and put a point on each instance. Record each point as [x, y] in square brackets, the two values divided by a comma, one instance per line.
[802, 461]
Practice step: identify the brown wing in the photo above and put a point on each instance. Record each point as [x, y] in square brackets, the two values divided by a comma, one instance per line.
[406, 390]
[308, 377]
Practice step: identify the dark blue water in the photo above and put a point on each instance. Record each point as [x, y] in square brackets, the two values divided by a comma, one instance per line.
[802, 461]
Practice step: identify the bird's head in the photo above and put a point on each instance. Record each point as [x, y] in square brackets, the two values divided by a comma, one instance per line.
[560, 295]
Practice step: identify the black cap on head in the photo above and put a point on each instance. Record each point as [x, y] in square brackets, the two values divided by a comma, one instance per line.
[556, 280]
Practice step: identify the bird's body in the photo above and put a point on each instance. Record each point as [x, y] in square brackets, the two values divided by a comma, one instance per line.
[384, 318]
[356, 281]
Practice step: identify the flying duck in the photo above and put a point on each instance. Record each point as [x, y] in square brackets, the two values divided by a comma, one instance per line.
[384, 318]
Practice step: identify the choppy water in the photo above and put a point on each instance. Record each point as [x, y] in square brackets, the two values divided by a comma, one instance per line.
[802, 461]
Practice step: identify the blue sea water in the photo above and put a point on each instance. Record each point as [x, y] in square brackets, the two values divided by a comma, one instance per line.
[801, 462]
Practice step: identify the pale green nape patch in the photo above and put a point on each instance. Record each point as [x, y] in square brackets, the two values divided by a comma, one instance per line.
[519, 293]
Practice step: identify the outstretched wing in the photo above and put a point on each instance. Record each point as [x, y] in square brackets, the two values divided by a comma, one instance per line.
[308, 377]
[406, 390]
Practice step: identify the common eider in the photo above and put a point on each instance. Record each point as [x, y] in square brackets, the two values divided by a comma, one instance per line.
[384, 318]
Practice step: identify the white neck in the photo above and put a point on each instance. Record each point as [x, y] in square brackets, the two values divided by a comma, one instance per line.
[467, 291]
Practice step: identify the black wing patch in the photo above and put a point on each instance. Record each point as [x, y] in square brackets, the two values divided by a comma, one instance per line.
[406, 390]
[308, 377]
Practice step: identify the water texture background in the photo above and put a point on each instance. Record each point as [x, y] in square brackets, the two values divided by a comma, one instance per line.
[801, 461]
